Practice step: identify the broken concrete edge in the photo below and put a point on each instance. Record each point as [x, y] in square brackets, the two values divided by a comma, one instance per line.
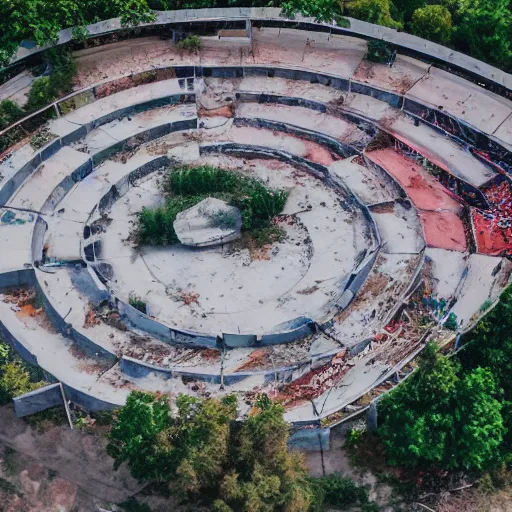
[8, 188]
[462, 133]
[28, 278]
[369, 127]
[474, 69]
[170, 335]
[38, 234]
[323, 418]
[406, 296]
[138, 369]
[122, 186]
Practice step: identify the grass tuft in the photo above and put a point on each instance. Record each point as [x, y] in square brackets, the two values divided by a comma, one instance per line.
[186, 187]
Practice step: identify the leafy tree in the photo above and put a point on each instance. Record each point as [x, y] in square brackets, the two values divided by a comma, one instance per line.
[135, 431]
[373, 11]
[321, 10]
[441, 416]
[489, 346]
[433, 22]
[205, 455]
[41, 21]
[484, 29]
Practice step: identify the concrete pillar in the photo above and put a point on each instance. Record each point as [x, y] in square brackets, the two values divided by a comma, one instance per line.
[372, 417]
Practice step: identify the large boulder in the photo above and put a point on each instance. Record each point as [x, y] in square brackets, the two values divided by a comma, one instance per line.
[210, 222]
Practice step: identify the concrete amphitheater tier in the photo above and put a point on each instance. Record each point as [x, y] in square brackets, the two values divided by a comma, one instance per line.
[426, 230]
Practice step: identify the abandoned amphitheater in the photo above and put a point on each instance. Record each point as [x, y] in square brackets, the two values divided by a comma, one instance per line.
[398, 221]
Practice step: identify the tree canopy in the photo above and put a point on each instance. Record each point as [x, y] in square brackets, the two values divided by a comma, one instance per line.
[203, 454]
[432, 22]
[208, 457]
[443, 416]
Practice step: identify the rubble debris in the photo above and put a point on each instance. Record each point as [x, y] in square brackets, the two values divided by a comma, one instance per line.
[315, 382]
[493, 227]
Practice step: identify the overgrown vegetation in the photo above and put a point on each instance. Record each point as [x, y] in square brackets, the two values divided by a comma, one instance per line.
[10, 112]
[379, 51]
[185, 187]
[206, 457]
[456, 413]
[61, 68]
[336, 492]
[443, 416]
[191, 43]
[59, 82]
[41, 138]
[136, 302]
[16, 378]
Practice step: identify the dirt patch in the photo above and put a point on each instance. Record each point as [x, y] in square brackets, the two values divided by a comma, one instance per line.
[319, 154]
[256, 359]
[383, 208]
[225, 111]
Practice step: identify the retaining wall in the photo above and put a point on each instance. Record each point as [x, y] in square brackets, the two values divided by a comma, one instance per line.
[9, 187]
[38, 400]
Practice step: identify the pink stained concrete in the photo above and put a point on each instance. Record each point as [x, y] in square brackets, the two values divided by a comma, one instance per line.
[444, 230]
[425, 192]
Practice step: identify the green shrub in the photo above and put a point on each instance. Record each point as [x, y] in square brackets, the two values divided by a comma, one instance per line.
[10, 112]
[451, 322]
[335, 491]
[191, 43]
[379, 51]
[137, 303]
[189, 186]
[41, 138]
[41, 94]
[16, 377]
[373, 11]
[14, 381]
[47, 89]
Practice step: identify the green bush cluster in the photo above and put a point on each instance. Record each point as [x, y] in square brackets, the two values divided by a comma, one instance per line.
[443, 416]
[60, 81]
[10, 112]
[188, 186]
[137, 303]
[336, 491]
[204, 455]
[191, 43]
[15, 377]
